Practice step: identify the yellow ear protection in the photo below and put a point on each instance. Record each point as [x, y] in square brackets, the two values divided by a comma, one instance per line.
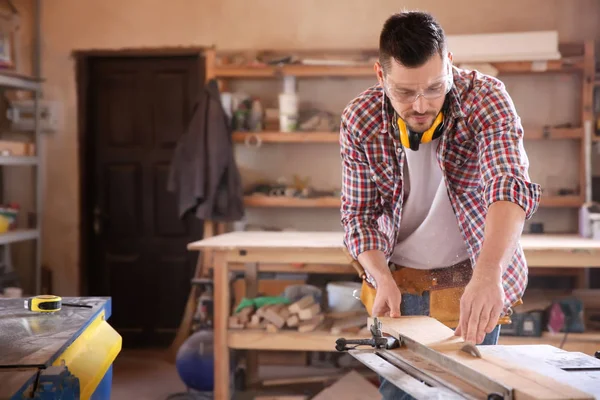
[412, 139]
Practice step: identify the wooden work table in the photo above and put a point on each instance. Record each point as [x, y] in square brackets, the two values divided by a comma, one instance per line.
[323, 252]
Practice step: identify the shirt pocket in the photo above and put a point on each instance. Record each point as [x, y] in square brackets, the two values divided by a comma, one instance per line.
[385, 178]
[462, 166]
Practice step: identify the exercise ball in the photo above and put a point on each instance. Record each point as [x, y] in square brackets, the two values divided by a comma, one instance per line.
[195, 362]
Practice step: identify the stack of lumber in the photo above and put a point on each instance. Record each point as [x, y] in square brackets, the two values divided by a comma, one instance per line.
[304, 315]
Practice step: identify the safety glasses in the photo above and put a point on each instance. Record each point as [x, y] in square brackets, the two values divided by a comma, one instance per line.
[410, 93]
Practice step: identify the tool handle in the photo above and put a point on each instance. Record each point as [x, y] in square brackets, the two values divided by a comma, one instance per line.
[342, 343]
[356, 265]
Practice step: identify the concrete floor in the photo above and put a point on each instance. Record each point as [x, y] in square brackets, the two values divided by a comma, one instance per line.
[144, 375]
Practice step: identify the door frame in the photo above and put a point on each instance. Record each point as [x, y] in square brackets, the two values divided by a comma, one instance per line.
[85, 138]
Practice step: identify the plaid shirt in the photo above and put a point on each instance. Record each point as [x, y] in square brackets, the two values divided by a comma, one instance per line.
[481, 155]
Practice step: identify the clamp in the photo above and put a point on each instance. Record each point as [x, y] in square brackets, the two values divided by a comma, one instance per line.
[377, 340]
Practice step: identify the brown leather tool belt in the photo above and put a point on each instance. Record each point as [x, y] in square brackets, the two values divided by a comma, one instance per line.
[417, 281]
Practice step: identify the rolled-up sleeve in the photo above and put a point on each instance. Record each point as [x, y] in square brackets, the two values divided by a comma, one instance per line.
[503, 160]
[361, 205]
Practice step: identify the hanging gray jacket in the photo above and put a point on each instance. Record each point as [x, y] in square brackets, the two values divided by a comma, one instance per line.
[203, 172]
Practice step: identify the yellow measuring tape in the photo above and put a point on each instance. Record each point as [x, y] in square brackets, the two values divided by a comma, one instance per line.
[49, 304]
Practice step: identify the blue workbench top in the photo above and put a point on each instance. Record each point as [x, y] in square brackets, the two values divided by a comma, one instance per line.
[30, 341]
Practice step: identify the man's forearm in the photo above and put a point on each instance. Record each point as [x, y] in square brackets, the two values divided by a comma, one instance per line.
[503, 228]
[375, 263]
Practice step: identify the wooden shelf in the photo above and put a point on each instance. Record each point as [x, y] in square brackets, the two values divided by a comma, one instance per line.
[19, 81]
[307, 71]
[260, 201]
[291, 202]
[18, 160]
[561, 201]
[299, 70]
[255, 138]
[541, 133]
[540, 67]
[259, 339]
[18, 235]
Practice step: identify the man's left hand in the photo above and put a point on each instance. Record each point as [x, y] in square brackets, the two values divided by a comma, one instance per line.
[480, 307]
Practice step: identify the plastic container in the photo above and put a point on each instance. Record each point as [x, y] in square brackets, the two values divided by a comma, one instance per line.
[595, 226]
[296, 292]
[288, 112]
[341, 296]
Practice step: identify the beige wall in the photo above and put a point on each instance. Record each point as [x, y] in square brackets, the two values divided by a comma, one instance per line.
[112, 24]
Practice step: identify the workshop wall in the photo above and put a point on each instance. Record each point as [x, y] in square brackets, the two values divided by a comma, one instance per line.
[70, 25]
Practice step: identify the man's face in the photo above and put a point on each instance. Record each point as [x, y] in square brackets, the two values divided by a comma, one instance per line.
[417, 94]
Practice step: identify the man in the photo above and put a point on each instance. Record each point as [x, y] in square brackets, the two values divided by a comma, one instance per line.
[435, 185]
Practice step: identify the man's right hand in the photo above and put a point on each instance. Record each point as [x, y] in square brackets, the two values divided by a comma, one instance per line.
[387, 300]
[388, 297]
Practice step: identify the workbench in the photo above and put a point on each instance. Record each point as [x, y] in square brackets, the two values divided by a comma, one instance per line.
[67, 353]
[322, 253]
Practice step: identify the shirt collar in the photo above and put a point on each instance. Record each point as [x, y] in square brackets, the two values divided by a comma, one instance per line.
[454, 103]
[387, 111]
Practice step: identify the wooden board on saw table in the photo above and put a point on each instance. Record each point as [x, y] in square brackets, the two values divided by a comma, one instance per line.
[526, 383]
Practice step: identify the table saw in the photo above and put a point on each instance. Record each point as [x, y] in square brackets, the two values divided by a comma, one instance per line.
[67, 354]
[422, 357]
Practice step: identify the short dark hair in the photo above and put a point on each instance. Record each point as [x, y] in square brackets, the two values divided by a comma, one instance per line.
[410, 38]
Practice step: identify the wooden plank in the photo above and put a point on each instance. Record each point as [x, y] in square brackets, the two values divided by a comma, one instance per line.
[526, 383]
[256, 138]
[291, 255]
[285, 340]
[567, 242]
[299, 268]
[541, 250]
[300, 70]
[333, 240]
[221, 315]
[335, 202]
[291, 202]
[505, 46]
[270, 240]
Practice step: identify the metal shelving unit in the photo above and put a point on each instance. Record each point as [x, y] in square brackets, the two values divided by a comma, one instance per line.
[13, 80]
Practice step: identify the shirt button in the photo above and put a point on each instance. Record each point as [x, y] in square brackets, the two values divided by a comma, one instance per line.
[399, 150]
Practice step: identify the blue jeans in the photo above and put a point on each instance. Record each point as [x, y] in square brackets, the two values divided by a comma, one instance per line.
[419, 305]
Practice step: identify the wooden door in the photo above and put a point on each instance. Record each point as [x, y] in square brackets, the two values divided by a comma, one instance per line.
[138, 109]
